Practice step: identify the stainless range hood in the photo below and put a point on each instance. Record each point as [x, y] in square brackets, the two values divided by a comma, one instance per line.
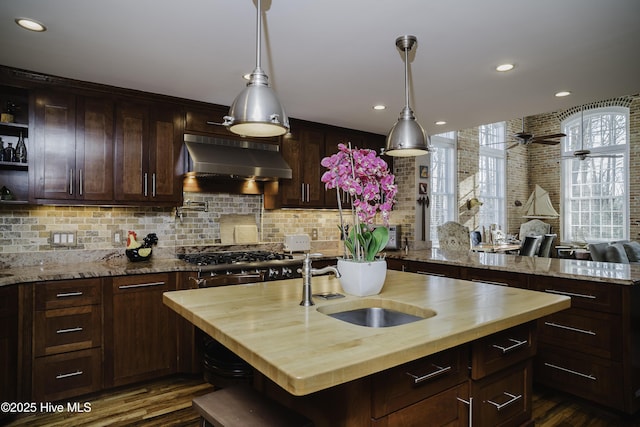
[210, 156]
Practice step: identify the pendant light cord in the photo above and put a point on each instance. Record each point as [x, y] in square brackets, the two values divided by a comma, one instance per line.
[258, 33]
[406, 77]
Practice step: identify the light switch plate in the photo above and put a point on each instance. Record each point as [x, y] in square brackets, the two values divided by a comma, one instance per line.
[297, 242]
[63, 238]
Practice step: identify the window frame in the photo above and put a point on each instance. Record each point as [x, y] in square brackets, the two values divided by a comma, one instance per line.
[447, 180]
[492, 148]
[571, 166]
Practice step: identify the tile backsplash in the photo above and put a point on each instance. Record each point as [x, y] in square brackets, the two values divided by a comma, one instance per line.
[27, 229]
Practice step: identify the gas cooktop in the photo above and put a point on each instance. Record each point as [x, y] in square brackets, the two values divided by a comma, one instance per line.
[234, 257]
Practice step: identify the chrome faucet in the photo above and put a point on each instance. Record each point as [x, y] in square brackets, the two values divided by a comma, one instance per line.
[307, 273]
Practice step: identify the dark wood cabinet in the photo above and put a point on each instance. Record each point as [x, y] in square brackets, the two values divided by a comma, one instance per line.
[140, 331]
[67, 339]
[303, 149]
[73, 142]
[148, 144]
[8, 344]
[15, 175]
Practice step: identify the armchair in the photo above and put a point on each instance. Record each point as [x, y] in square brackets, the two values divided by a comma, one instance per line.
[454, 237]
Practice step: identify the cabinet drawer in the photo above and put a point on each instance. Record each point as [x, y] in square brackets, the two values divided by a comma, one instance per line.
[443, 409]
[434, 269]
[586, 376]
[65, 375]
[587, 295]
[496, 277]
[143, 283]
[67, 329]
[503, 399]
[71, 293]
[404, 385]
[502, 349]
[591, 332]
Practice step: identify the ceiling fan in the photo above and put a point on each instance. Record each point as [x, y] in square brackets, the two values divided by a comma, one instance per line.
[526, 138]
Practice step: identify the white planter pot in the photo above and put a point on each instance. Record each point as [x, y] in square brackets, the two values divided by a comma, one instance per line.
[362, 279]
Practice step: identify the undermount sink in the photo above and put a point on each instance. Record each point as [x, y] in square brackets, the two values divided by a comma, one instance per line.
[374, 313]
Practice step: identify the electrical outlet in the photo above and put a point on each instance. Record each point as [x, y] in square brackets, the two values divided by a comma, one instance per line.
[117, 237]
[314, 234]
[63, 238]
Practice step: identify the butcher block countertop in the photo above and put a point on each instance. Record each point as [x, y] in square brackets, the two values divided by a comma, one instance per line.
[305, 351]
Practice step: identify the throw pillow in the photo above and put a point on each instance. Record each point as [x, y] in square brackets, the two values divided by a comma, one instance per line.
[633, 251]
[598, 251]
[616, 253]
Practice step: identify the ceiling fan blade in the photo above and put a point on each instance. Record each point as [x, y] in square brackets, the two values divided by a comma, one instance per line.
[551, 136]
[514, 145]
[544, 141]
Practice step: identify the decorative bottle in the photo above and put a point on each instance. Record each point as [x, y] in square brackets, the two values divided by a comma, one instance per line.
[21, 150]
[9, 153]
[1, 150]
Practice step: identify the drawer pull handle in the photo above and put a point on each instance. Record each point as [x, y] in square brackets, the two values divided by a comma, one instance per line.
[569, 328]
[417, 379]
[513, 399]
[429, 273]
[141, 285]
[570, 294]
[515, 346]
[490, 282]
[66, 331]
[69, 294]
[571, 371]
[71, 374]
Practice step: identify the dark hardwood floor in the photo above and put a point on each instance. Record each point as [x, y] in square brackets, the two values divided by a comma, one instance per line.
[167, 402]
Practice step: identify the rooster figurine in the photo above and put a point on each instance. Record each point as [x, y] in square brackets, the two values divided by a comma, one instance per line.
[137, 251]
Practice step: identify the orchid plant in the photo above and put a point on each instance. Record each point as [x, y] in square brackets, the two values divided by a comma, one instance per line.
[366, 178]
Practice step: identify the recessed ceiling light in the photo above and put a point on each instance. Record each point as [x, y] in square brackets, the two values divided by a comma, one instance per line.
[505, 67]
[563, 93]
[31, 25]
[441, 122]
[379, 107]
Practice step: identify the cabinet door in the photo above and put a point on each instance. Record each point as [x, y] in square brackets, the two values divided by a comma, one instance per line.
[55, 145]
[8, 344]
[132, 132]
[94, 155]
[303, 150]
[140, 339]
[164, 156]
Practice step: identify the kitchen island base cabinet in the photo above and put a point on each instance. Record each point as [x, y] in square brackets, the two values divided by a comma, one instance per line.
[140, 331]
[477, 384]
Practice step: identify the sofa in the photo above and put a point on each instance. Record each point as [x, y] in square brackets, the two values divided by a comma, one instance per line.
[623, 251]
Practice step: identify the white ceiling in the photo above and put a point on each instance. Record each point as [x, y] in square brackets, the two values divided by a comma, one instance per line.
[330, 61]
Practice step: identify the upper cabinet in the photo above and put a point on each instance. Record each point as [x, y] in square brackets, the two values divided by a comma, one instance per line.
[73, 147]
[303, 148]
[148, 144]
[14, 105]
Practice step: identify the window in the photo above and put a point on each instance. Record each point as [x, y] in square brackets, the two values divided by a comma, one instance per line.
[442, 179]
[595, 175]
[491, 174]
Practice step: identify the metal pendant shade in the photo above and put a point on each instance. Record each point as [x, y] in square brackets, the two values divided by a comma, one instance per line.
[256, 111]
[407, 137]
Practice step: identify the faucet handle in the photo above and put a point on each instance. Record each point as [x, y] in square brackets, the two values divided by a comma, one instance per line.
[312, 255]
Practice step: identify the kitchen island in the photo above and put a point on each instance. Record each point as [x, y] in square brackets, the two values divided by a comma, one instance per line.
[307, 353]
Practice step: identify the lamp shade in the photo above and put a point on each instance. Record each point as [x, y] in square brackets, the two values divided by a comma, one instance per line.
[256, 111]
[406, 138]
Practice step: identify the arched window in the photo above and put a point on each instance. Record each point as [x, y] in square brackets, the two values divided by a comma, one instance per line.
[595, 177]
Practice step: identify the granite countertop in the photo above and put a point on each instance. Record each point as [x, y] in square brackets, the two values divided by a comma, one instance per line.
[608, 272]
[115, 267]
[305, 351]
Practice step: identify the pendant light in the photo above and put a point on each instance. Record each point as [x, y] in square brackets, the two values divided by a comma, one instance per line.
[406, 138]
[256, 111]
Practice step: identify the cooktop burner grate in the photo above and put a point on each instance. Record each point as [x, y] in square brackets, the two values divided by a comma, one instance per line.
[236, 257]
